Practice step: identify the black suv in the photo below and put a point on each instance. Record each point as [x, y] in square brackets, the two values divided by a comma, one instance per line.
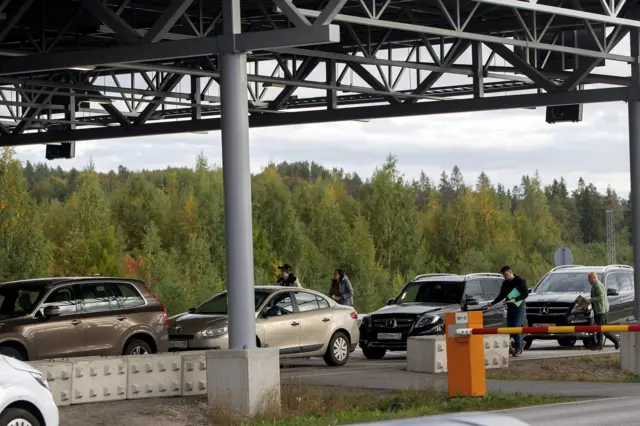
[419, 310]
[552, 301]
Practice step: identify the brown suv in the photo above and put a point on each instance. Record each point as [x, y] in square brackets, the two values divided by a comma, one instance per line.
[70, 317]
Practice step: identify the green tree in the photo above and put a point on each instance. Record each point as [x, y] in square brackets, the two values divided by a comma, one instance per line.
[92, 246]
[24, 250]
[393, 217]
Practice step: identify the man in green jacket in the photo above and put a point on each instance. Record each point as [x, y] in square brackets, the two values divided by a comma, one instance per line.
[600, 304]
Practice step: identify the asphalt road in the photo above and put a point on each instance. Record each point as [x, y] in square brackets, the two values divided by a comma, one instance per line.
[611, 412]
[390, 373]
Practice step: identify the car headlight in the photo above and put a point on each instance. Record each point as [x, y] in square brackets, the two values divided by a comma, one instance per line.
[577, 309]
[215, 331]
[365, 320]
[426, 320]
[40, 379]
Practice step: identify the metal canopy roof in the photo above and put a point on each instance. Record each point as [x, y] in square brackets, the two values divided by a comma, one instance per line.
[86, 69]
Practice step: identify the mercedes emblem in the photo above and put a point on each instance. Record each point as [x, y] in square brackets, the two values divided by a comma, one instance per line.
[391, 323]
[544, 310]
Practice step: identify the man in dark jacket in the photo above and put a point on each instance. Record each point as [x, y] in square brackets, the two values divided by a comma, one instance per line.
[287, 279]
[514, 289]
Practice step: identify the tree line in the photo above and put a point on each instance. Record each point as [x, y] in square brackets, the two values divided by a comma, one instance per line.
[167, 226]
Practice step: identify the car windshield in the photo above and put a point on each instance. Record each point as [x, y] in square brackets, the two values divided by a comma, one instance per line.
[564, 282]
[217, 305]
[19, 299]
[446, 292]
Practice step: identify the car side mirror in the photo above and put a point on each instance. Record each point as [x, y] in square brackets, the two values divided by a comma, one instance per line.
[390, 301]
[51, 311]
[469, 301]
[271, 312]
[192, 310]
[612, 292]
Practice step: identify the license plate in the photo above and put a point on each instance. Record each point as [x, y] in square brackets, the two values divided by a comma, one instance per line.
[178, 344]
[389, 336]
[544, 325]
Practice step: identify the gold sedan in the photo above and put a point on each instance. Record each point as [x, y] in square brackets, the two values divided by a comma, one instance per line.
[301, 323]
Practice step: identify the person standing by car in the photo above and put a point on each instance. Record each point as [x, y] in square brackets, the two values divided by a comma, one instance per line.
[341, 289]
[600, 304]
[287, 278]
[514, 289]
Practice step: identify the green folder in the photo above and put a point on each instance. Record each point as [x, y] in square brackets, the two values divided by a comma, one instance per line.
[512, 295]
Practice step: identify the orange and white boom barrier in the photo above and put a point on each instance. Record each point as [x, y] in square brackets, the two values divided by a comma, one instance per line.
[465, 347]
[551, 329]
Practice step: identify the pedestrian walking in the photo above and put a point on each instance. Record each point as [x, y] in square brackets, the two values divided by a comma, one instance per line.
[514, 290]
[600, 304]
[287, 278]
[341, 289]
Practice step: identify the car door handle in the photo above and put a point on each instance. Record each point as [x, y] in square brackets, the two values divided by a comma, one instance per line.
[326, 319]
[121, 318]
[295, 323]
[75, 322]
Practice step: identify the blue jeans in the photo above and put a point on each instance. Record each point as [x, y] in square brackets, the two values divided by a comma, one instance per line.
[515, 318]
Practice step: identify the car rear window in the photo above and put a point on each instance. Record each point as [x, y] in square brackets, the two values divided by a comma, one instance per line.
[96, 297]
[322, 302]
[306, 301]
[127, 296]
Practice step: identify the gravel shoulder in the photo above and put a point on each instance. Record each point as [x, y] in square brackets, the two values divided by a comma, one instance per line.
[597, 368]
[156, 412]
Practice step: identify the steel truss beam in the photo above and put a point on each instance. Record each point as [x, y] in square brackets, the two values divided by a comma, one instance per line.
[194, 47]
[460, 34]
[572, 13]
[359, 113]
[379, 34]
[112, 20]
[166, 21]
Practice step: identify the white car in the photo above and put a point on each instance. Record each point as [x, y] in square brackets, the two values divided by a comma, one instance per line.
[25, 398]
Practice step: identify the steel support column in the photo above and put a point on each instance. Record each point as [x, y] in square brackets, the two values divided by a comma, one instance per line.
[634, 157]
[477, 69]
[237, 188]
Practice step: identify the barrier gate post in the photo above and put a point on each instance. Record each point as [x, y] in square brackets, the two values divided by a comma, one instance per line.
[465, 355]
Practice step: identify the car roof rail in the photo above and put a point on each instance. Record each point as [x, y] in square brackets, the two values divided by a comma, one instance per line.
[483, 274]
[617, 266]
[566, 267]
[433, 275]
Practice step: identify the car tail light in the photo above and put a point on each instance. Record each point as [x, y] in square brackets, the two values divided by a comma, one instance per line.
[164, 311]
[354, 315]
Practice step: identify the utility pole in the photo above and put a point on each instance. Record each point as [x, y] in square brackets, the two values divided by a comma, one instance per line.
[611, 238]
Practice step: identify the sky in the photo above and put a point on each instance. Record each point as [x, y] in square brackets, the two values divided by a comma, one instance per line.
[503, 144]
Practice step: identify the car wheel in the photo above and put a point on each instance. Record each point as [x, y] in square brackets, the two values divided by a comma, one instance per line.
[11, 353]
[18, 417]
[137, 347]
[338, 350]
[567, 342]
[373, 353]
[586, 343]
[527, 343]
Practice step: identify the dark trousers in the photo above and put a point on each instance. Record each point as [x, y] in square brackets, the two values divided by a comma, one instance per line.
[598, 339]
[515, 318]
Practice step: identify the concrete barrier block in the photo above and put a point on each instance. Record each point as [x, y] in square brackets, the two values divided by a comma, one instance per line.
[496, 352]
[58, 375]
[154, 376]
[194, 374]
[427, 354]
[99, 380]
[628, 359]
[244, 381]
